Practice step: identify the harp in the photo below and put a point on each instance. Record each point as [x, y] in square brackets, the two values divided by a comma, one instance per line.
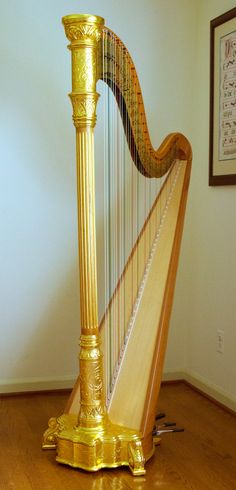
[110, 414]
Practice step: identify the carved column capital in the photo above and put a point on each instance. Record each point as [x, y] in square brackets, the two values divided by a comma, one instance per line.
[83, 28]
[84, 109]
[84, 32]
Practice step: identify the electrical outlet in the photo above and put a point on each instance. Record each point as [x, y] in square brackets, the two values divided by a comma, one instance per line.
[220, 341]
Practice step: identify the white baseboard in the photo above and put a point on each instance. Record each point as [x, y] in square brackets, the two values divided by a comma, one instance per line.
[67, 382]
[36, 384]
[201, 383]
[170, 375]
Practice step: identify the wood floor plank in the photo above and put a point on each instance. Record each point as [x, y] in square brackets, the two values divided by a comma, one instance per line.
[201, 458]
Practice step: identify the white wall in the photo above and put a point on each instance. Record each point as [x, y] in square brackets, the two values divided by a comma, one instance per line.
[39, 293]
[206, 288]
[214, 238]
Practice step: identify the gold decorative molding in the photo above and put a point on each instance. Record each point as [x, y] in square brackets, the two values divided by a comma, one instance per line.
[92, 450]
[83, 27]
[84, 109]
[82, 32]
[92, 408]
[82, 74]
[50, 434]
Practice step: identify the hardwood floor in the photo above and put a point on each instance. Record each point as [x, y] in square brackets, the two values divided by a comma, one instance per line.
[201, 458]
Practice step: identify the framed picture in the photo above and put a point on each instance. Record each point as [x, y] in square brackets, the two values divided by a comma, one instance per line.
[222, 161]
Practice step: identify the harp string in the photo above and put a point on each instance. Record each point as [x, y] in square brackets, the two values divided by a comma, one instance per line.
[128, 198]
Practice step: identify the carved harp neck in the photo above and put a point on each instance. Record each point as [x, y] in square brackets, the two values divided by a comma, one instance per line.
[117, 69]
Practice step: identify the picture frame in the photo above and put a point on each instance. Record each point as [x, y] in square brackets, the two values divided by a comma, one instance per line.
[222, 141]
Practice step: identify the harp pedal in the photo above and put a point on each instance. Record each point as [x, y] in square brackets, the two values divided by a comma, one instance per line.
[165, 427]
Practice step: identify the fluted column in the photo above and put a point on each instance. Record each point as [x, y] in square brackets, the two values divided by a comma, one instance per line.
[84, 33]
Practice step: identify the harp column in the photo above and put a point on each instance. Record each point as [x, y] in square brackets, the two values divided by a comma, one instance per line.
[84, 32]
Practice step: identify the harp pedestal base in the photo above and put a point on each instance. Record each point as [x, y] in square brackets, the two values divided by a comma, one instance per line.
[108, 446]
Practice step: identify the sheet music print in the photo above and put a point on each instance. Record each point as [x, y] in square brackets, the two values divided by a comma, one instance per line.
[227, 123]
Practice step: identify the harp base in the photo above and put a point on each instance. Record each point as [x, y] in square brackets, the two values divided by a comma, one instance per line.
[108, 446]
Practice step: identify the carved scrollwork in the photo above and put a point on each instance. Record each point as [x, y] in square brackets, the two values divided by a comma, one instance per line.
[91, 381]
[82, 32]
[84, 72]
[50, 435]
[84, 108]
[88, 412]
[55, 426]
[136, 457]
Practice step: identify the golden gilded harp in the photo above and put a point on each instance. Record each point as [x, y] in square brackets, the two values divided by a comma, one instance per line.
[110, 415]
